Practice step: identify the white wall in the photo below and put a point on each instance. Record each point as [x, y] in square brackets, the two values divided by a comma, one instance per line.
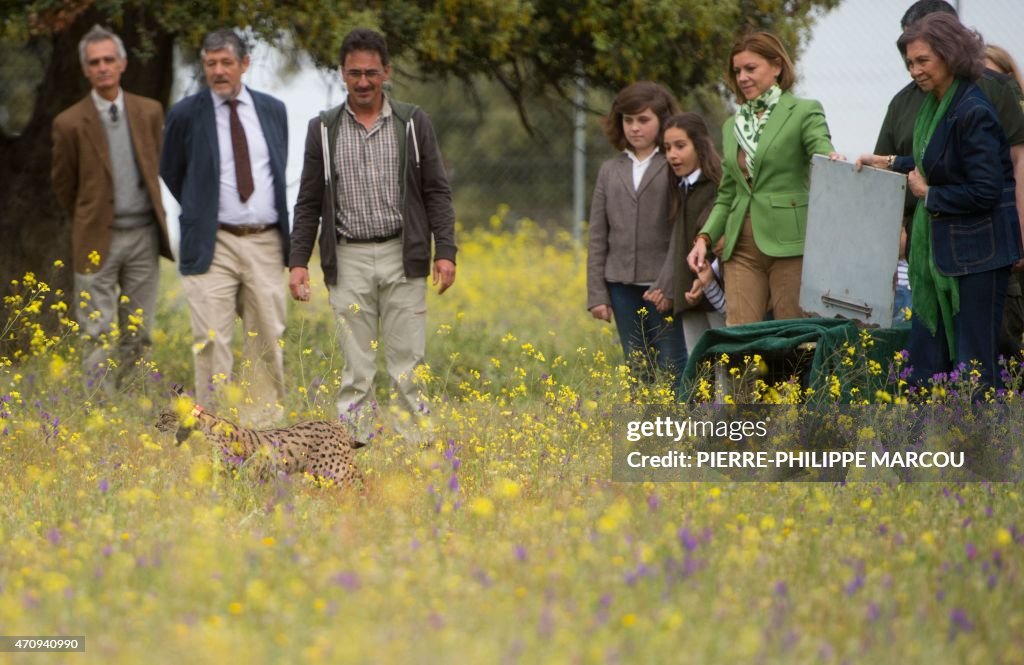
[852, 67]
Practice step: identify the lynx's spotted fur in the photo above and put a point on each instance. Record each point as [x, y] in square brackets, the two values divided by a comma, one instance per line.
[320, 448]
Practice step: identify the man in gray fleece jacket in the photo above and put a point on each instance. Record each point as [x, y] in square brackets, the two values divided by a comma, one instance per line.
[374, 183]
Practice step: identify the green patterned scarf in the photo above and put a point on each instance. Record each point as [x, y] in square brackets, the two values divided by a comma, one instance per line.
[748, 126]
[934, 293]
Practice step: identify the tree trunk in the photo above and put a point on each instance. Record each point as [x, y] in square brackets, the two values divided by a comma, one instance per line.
[35, 231]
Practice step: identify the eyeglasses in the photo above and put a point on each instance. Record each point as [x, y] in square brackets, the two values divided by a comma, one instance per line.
[356, 74]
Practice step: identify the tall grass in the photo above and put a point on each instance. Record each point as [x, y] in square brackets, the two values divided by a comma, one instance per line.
[503, 541]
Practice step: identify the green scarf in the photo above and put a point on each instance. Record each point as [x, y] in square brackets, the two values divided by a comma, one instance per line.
[934, 293]
[748, 126]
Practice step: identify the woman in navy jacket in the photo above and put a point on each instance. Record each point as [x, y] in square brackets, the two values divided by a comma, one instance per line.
[962, 175]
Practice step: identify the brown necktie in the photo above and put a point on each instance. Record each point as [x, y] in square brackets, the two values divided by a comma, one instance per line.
[243, 170]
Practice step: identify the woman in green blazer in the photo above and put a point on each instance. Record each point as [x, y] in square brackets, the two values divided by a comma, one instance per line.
[761, 207]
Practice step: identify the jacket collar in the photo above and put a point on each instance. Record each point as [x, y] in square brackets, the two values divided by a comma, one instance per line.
[942, 132]
[94, 132]
[655, 170]
[780, 115]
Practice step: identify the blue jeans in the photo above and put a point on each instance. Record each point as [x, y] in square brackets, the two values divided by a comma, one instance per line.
[976, 327]
[900, 303]
[649, 339]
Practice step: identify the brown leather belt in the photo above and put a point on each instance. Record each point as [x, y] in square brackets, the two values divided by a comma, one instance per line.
[245, 229]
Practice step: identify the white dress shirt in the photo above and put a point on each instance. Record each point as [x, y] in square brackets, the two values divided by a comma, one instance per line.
[260, 208]
[103, 106]
[640, 166]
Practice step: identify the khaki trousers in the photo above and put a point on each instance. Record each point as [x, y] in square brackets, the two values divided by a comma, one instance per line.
[245, 280]
[756, 283]
[124, 288]
[377, 304]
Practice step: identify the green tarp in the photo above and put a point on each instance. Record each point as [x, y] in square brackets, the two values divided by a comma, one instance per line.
[774, 340]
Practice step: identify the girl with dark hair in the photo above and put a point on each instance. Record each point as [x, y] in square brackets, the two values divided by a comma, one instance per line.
[696, 171]
[965, 232]
[630, 228]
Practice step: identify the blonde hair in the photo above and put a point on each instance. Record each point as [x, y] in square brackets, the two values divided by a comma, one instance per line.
[999, 57]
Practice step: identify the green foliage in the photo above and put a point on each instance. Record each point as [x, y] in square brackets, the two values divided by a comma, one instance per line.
[528, 47]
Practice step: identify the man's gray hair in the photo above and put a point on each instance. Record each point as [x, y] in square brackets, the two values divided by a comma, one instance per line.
[98, 33]
[219, 40]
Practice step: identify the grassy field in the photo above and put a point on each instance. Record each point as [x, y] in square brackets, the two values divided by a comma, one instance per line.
[504, 542]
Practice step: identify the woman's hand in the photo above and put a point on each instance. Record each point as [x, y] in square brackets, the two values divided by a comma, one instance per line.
[837, 156]
[918, 185]
[601, 312]
[697, 258]
[874, 161]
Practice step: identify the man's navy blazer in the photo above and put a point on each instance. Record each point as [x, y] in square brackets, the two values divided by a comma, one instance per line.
[190, 167]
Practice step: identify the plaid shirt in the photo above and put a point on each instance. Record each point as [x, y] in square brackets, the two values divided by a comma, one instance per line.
[369, 204]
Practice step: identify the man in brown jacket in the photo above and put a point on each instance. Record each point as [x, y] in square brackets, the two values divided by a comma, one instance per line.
[105, 175]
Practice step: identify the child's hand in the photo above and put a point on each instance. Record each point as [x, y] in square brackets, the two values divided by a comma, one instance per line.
[657, 298]
[601, 312]
[696, 293]
[704, 276]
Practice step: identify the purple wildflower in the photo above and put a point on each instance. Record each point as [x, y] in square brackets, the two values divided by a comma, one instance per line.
[547, 622]
[854, 585]
[482, 577]
[958, 623]
[653, 502]
[687, 539]
[347, 580]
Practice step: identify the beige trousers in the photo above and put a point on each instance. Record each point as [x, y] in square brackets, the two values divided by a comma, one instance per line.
[377, 305]
[126, 284]
[245, 280]
[756, 283]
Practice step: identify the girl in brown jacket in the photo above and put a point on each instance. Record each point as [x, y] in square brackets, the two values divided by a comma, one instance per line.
[630, 228]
